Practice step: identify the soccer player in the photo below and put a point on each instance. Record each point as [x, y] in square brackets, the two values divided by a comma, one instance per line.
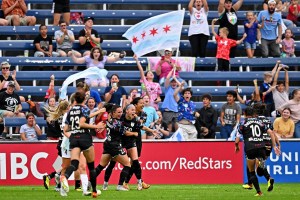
[55, 118]
[77, 128]
[112, 147]
[252, 130]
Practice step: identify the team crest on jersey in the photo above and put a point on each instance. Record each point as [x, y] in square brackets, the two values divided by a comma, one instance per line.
[232, 18]
[132, 124]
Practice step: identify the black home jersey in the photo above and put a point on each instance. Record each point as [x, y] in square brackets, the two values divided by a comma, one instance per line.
[133, 125]
[58, 126]
[73, 117]
[114, 132]
[269, 124]
[252, 130]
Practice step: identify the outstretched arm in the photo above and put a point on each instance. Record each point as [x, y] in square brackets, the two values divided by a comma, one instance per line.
[139, 66]
[242, 39]
[213, 27]
[177, 91]
[238, 5]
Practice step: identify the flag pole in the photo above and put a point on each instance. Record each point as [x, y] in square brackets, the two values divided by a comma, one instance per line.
[176, 60]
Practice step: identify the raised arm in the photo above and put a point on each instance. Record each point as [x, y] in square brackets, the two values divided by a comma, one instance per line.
[191, 5]
[242, 39]
[286, 79]
[213, 27]
[139, 66]
[177, 91]
[114, 56]
[221, 6]
[275, 79]
[256, 91]
[238, 5]
[240, 99]
[77, 60]
[205, 5]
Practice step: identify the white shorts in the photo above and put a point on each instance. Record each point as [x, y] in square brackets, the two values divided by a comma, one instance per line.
[65, 150]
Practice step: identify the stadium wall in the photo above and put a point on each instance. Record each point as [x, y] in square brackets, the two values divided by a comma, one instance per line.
[205, 162]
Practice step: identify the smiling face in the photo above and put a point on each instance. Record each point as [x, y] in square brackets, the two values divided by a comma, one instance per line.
[286, 114]
[140, 105]
[5, 69]
[146, 100]
[117, 113]
[91, 103]
[206, 102]
[52, 102]
[114, 79]
[250, 16]
[228, 5]
[30, 120]
[96, 54]
[198, 4]
[130, 112]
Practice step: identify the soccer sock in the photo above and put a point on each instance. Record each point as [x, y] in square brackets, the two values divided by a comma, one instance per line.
[137, 169]
[52, 175]
[73, 167]
[108, 170]
[124, 173]
[93, 175]
[84, 181]
[266, 174]
[77, 184]
[98, 169]
[254, 180]
[248, 176]
[127, 179]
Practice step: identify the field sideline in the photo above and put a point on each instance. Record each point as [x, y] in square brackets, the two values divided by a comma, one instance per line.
[172, 192]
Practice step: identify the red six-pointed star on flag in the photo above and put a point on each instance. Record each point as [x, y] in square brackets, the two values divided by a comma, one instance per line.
[167, 28]
[153, 31]
[134, 39]
[143, 35]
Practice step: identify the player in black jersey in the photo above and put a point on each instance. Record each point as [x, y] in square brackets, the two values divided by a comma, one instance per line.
[261, 169]
[112, 147]
[133, 121]
[77, 127]
[252, 130]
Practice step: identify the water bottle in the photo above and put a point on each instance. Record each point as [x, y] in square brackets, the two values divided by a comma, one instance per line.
[29, 97]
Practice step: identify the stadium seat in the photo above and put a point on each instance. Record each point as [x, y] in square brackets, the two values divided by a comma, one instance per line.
[110, 45]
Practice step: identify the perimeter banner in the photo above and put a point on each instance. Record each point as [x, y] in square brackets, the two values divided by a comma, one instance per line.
[162, 163]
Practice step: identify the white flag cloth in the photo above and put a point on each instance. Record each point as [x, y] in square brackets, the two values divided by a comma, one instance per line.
[156, 33]
[91, 73]
[177, 136]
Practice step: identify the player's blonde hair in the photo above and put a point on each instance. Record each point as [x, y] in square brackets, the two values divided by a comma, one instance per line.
[59, 110]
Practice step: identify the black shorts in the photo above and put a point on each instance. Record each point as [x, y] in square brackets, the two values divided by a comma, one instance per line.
[113, 149]
[268, 151]
[60, 8]
[65, 50]
[81, 140]
[59, 148]
[256, 153]
[128, 144]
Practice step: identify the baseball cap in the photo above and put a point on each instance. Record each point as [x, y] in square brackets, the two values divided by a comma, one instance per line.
[88, 18]
[268, 74]
[11, 83]
[172, 79]
[168, 49]
[271, 2]
[228, 1]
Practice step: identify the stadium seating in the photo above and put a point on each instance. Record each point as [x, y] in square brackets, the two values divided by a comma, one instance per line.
[123, 14]
[102, 30]
[135, 75]
[197, 90]
[110, 45]
[130, 62]
[211, 2]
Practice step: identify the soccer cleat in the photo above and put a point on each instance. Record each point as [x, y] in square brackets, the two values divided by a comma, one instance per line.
[121, 188]
[259, 194]
[126, 185]
[57, 189]
[270, 184]
[140, 185]
[46, 180]
[145, 185]
[95, 194]
[87, 193]
[105, 186]
[78, 189]
[247, 186]
[62, 192]
[64, 183]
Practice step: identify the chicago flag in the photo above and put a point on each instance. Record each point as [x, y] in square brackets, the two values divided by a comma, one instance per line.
[156, 33]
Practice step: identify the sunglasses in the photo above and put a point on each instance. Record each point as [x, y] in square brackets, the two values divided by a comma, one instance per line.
[168, 52]
[5, 67]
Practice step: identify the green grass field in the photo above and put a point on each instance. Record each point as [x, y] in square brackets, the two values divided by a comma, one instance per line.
[281, 191]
